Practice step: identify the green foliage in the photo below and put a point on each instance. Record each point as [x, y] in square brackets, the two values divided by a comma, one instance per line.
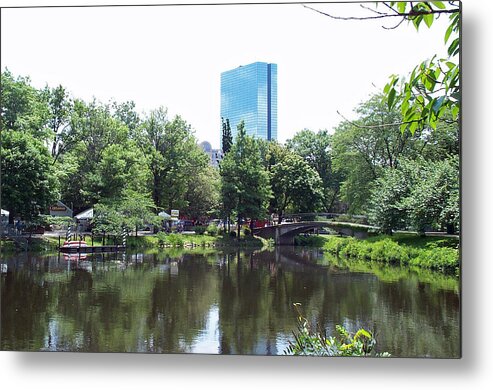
[245, 187]
[226, 136]
[295, 185]
[435, 255]
[437, 259]
[129, 212]
[432, 88]
[175, 239]
[203, 193]
[316, 150]
[315, 343]
[161, 238]
[309, 240]
[23, 107]
[59, 111]
[29, 183]
[55, 221]
[419, 194]
[212, 230]
[199, 229]
[363, 148]
[172, 157]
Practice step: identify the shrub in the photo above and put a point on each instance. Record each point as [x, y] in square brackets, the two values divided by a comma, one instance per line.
[440, 258]
[307, 342]
[389, 251]
[199, 229]
[161, 239]
[334, 245]
[212, 230]
[175, 239]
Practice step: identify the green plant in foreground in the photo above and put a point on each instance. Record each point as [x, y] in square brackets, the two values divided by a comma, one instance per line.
[309, 343]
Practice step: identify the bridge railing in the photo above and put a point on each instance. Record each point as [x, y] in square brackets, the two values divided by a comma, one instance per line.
[301, 217]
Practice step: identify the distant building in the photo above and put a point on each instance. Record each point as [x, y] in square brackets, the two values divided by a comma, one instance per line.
[60, 209]
[249, 93]
[215, 155]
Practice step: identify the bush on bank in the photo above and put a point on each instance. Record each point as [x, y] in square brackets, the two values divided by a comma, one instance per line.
[434, 255]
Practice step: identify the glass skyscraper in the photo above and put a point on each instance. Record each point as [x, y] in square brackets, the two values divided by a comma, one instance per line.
[249, 93]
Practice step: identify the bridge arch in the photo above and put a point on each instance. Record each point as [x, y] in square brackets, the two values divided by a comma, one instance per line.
[283, 234]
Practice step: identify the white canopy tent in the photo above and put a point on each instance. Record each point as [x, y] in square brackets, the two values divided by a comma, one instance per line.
[166, 216]
[4, 216]
[86, 214]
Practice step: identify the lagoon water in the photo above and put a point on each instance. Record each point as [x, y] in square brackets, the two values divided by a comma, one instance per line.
[220, 302]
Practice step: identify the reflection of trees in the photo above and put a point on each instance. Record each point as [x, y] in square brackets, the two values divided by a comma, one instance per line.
[162, 303]
[22, 312]
[180, 305]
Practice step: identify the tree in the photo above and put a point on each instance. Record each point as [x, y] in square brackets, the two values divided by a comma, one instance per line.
[316, 150]
[121, 167]
[29, 184]
[295, 185]
[92, 130]
[23, 107]
[420, 195]
[362, 148]
[203, 194]
[129, 212]
[226, 136]
[245, 185]
[172, 156]
[59, 111]
[126, 113]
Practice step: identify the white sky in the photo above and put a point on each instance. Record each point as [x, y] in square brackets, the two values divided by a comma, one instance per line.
[173, 56]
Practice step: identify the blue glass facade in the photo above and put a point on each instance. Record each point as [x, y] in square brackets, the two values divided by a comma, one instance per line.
[249, 93]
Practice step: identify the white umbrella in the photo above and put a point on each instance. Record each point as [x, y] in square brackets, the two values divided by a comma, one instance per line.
[5, 212]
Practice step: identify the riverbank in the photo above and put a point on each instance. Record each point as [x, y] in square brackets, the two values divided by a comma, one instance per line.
[405, 249]
[50, 243]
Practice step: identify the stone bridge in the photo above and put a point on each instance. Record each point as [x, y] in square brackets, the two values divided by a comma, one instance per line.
[284, 233]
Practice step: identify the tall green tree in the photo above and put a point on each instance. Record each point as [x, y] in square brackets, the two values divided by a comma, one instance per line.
[29, 183]
[23, 106]
[59, 111]
[226, 136]
[172, 155]
[203, 194]
[316, 150]
[92, 130]
[127, 113]
[362, 148]
[245, 187]
[295, 186]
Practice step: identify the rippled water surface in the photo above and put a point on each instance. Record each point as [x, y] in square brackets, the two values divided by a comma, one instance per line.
[219, 303]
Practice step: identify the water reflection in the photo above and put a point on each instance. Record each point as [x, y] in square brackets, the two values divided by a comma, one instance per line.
[219, 302]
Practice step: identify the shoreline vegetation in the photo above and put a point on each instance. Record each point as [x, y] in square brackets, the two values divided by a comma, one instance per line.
[440, 254]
